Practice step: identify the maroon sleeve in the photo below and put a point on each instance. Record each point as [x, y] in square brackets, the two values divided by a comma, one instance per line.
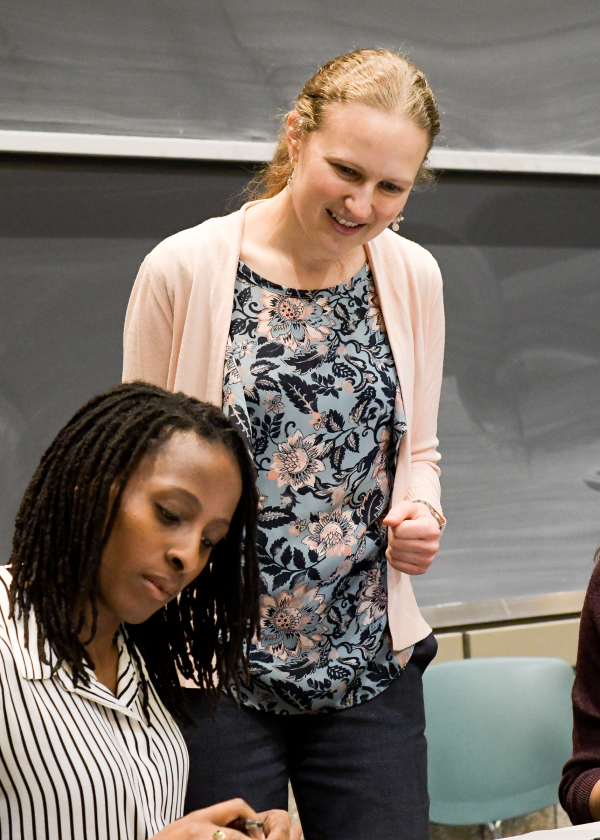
[582, 771]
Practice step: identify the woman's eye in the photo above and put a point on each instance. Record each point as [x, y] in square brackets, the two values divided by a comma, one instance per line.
[346, 170]
[394, 188]
[167, 515]
[206, 542]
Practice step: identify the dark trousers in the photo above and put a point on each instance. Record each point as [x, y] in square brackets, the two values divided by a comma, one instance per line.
[357, 774]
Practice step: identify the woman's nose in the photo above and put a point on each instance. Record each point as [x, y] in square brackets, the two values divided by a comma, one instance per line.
[360, 203]
[186, 555]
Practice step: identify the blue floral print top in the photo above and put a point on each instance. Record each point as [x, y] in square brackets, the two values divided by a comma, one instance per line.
[310, 381]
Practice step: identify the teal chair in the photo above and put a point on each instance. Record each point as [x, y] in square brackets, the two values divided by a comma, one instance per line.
[498, 733]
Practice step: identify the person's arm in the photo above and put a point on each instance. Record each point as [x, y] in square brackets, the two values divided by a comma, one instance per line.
[414, 532]
[206, 824]
[579, 788]
[594, 802]
[425, 473]
[148, 335]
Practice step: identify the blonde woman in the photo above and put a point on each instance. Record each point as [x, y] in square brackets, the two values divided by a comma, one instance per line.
[321, 332]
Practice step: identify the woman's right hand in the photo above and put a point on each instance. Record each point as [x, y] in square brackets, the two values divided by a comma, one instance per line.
[202, 824]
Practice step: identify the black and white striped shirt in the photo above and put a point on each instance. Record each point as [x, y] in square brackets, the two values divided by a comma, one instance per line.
[79, 763]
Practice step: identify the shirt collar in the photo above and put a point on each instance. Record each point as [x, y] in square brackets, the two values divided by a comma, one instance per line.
[30, 666]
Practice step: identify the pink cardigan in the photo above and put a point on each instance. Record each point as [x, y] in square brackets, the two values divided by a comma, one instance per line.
[178, 322]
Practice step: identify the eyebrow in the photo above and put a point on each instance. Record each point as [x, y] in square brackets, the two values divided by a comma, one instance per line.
[400, 182]
[198, 505]
[187, 493]
[225, 522]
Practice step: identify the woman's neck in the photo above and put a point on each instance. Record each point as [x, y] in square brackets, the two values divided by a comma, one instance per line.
[275, 246]
[102, 649]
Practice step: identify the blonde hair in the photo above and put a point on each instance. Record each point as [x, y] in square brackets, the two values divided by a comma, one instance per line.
[376, 77]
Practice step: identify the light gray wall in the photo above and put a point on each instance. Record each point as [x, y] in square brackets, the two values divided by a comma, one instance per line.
[519, 75]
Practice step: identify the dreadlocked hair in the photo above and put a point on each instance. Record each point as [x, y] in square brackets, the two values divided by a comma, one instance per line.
[66, 518]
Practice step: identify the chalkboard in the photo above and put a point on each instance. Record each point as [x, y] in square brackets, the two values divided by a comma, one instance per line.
[520, 75]
[520, 409]
[72, 236]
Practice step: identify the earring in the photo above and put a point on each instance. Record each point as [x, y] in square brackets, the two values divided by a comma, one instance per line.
[291, 178]
[396, 223]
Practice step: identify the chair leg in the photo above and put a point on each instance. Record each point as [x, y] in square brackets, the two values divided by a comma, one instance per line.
[495, 829]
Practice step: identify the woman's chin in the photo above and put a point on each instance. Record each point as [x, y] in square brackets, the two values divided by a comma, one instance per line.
[138, 614]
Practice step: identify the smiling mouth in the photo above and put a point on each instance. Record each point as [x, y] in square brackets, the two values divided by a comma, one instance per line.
[344, 222]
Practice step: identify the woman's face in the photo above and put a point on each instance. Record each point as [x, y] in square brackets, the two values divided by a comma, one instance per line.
[177, 505]
[358, 168]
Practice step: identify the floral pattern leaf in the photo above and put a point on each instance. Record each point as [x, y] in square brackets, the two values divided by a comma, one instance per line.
[258, 368]
[238, 326]
[251, 395]
[271, 517]
[266, 383]
[286, 556]
[336, 457]
[276, 425]
[314, 358]
[271, 349]
[241, 420]
[352, 441]
[299, 559]
[370, 509]
[277, 545]
[279, 580]
[260, 446]
[362, 405]
[299, 393]
[341, 310]
[345, 371]
[244, 296]
[334, 421]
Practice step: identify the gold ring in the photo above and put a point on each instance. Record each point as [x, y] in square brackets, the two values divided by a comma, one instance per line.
[219, 835]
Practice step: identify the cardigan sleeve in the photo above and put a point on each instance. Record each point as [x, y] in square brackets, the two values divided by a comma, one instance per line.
[425, 473]
[582, 771]
[148, 335]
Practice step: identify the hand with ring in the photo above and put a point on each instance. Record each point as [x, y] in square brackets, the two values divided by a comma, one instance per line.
[220, 822]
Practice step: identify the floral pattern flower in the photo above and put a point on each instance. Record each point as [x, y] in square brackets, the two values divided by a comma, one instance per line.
[273, 403]
[297, 462]
[231, 368]
[292, 622]
[294, 322]
[332, 533]
[297, 526]
[311, 382]
[244, 347]
[373, 597]
[374, 314]
[380, 467]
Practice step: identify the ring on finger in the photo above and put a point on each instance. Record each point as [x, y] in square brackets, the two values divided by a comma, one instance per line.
[219, 835]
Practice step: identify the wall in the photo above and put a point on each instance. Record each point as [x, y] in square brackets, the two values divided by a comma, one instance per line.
[519, 420]
[520, 75]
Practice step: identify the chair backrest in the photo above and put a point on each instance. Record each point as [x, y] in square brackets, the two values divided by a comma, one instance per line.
[498, 733]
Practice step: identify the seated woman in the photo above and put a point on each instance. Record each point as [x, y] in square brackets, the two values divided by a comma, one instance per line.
[134, 559]
[580, 785]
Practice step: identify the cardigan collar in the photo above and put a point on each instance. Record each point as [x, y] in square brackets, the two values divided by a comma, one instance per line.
[391, 281]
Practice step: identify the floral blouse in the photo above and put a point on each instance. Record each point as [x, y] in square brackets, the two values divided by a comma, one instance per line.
[310, 381]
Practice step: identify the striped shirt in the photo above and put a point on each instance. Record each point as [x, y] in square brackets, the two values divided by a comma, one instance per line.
[80, 762]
